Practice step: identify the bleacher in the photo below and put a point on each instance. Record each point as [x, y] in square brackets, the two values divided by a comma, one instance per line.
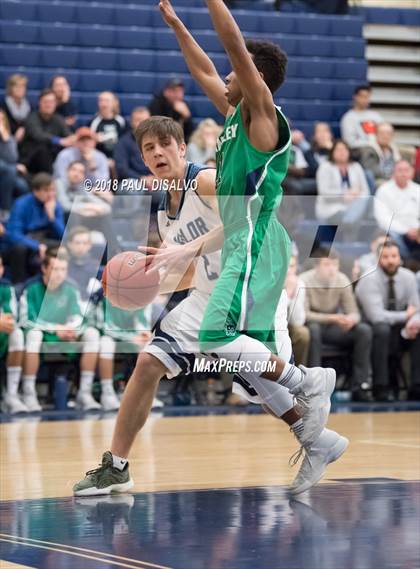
[128, 49]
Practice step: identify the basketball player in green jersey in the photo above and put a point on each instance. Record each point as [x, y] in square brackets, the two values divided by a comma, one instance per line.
[252, 160]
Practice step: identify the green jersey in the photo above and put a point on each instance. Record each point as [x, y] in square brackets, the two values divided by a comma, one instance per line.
[121, 324]
[245, 172]
[43, 309]
[7, 306]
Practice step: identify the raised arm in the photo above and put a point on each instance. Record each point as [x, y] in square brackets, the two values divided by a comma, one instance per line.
[200, 65]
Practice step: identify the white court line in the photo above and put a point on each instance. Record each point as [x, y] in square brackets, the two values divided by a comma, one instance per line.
[386, 443]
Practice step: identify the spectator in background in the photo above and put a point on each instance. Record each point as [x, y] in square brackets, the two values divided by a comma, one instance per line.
[94, 161]
[333, 318]
[358, 125]
[202, 144]
[369, 261]
[50, 312]
[128, 160]
[381, 155]
[321, 145]
[16, 105]
[65, 106]
[45, 134]
[390, 303]
[296, 316]
[397, 210]
[108, 124]
[170, 103]
[11, 346]
[342, 190]
[12, 181]
[83, 268]
[36, 222]
[300, 174]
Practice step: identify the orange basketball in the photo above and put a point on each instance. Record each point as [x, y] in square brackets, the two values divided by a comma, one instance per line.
[128, 282]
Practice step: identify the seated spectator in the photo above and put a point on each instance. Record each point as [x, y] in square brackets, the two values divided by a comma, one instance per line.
[390, 303]
[170, 103]
[342, 190]
[83, 268]
[397, 210]
[381, 155]
[202, 144]
[296, 316]
[108, 124]
[36, 222]
[128, 160]
[65, 106]
[94, 161]
[358, 125]
[45, 134]
[124, 332]
[16, 105]
[11, 346]
[320, 148]
[300, 174]
[369, 261]
[50, 313]
[12, 181]
[333, 318]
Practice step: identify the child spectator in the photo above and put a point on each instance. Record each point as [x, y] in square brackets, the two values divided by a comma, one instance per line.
[16, 105]
[11, 346]
[65, 106]
[50, 312]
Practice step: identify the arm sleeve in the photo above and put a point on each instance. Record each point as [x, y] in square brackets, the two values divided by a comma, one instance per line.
[122, 162]
[57, 224]
[349, 132]
[16, 228]
[61, 164]
[102, 168]
[35, 131]
[348, 301]
[385, 214]
[312, 316]
[62, 196]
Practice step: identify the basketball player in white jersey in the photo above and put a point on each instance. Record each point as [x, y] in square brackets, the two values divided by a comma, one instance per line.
[188, 213]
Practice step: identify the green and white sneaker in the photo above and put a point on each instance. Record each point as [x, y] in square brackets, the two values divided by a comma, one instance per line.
[104, 480]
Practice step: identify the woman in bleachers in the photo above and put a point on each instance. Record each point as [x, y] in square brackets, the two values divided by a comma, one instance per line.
[65, 106]
[342, 190]
[202, 144]
[108, 124]
[12, 181]
[321, 144]
[16, 105]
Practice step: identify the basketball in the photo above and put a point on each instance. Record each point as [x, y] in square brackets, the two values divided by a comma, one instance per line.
[127, 281]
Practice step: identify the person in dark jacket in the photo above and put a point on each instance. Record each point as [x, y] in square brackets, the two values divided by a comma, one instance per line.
[65, 104]
[128, 160]
[170, 103]
[45, 135]
[36, 222]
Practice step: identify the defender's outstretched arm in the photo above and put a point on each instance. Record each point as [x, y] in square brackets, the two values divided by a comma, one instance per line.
[200, 65]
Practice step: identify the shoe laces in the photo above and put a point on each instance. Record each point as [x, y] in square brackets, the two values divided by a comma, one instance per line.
[96, 471]
[294, 459]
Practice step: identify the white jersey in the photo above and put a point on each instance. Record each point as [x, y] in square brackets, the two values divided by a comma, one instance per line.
[193, 219]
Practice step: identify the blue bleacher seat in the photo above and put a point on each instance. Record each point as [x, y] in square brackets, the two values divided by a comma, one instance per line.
[350, 70]
[135, 38]
[312, 24]
[57, 12]
[98, 81]
[200, 20]
[72, 76]
[350, 47]
[34, 76]
[314, 47]
[15, 55]
[343, 90]
[23, 32]
[95, 13]
[128, 102]
[59, 34]
[133, 16]
[276, 24]
[61, 57]
[346, 26]
[209, 41]
[200, 106]
[137, 60]
[288, 44]
[163, 39]
[290, 89]
[87, 103]
[96, 36]
[137, 82]
[98, 58]
[316, 111]
[315, 68]
[170, 62]
[321, 90]
[247, 21]
[15, 10]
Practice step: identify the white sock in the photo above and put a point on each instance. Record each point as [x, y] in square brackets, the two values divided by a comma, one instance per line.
[107, 387]
[274, 395]
[118, 462]
[86, 381]
[29, 385]
[297, 428]
[291, 376]
[13, 379]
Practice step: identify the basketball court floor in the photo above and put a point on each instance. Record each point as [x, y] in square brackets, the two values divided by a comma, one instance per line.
[211, 493]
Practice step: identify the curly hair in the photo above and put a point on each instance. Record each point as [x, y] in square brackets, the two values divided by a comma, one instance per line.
[270, 60]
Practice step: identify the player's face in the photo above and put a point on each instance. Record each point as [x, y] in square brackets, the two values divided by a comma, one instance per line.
[80, 245]
[390, 260]
[163, 156]
[233, 91]
[55, 274]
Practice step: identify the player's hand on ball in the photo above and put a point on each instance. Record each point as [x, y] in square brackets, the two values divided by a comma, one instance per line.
[171, 260]
[168, 13]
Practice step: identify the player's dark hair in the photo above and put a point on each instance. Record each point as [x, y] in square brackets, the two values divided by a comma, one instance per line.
[161, 127]
[41, 180]
[59, 253]
[364, 87]
[270, 60]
